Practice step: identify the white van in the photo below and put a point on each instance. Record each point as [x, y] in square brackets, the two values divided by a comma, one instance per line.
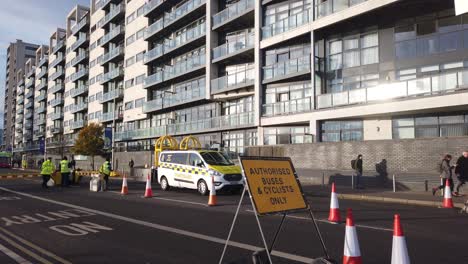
[193, 169]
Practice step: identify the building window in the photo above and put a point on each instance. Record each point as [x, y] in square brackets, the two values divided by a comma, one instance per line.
[139, 102]
[430, 126]
[287, 135]
[140, 56]
[139, 79]
[130, 61]
[130, 39]
[336, 131]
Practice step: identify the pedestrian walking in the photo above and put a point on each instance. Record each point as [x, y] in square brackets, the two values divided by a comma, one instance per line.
[47, 168]
[461, 169]
[105, 170]
[65, 172]
[357, 167]
[72, 167]
[131, 164]
[445, 170]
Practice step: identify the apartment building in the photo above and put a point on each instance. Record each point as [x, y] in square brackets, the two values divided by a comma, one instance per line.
[19, 110]
[244, 73]
[76, 73]
[17, 54]
[40, 95]
[29, 86]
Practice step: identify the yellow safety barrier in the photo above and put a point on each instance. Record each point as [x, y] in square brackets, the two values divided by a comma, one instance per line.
[163, 143]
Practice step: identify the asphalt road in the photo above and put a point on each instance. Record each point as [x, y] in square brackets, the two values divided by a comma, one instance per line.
[15, 171]
[73, 225]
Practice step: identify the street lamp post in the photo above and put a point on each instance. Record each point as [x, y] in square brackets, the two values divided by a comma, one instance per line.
[113, 135]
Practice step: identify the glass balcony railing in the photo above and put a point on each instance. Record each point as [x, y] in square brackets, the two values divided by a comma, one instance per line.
[20, 101]
[179, 68]
[29, 84]
[184, 38]
[181, 11]
[57, 115]
[41, 74]
[219, 122]
[154, 53]
[170, 100]
[41, 121]
[78, 91]
[111, 95]
[77, 27]
[43, 61]
[154, 28]
[232, 11]
[112, 14]
[112, 54]
[150, 132]
[79, 74]
[56, 129]
[285, 68]
[111, 35]
[233, 81]
[109, 116]
[28, 105]
[41, 85]
[288, 107]
[242, 43]
[56, 88]
[78, 59]
[56, 61]
[431, 85]
[56, 101]
[329, 7]
[109, 76]
[287, 24]
[41, 97]
[78, 107]
[151, 5]
[19, 109]
[101, 3]
[60, 44]
[56, 74]
[77, 124]
[80, 41]
[28, 115]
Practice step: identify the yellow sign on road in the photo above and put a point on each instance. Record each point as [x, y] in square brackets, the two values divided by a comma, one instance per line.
[273, 184]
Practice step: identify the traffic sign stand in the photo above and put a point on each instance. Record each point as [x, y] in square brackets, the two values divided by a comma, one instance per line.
[265, 178]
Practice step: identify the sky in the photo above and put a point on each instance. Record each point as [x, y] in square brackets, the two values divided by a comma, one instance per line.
[32, 21]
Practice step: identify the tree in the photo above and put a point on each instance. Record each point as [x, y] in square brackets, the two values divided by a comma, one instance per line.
[90, 142]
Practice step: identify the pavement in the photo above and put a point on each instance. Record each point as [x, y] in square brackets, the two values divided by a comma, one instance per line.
[74, 225]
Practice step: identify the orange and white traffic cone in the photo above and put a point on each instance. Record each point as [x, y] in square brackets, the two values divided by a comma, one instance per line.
[334, 207]
[124, 186]
[352, 252]
[399, 250]
[148, 191]
[212, 200]
[448, 202]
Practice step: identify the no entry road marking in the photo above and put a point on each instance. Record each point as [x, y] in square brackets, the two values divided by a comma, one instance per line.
[167, 228]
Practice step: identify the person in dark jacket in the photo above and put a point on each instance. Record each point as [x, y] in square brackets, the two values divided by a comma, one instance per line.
[461, 170]
[358, 170]
[445, 174]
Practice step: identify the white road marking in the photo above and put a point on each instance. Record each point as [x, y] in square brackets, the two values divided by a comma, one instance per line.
[33, 246]
[13, 255]
[166, 228]
[24, 250]
[171, 200]
[328, 222]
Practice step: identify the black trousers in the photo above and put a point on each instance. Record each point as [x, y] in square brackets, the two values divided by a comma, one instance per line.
[461, 182]
[45, 179]
[444, 181]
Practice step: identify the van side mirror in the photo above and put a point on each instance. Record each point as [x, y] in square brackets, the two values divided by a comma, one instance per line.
[200, 164]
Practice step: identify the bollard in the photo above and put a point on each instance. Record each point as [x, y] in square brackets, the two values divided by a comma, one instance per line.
[323, 179]
[443, 184]
[426, 185]
[352, 181]
[394, 183]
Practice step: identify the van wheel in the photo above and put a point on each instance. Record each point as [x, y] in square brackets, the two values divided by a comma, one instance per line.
[164, 184]
[202, 187]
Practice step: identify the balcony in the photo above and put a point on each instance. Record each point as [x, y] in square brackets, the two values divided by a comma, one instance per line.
[153, 29]
[29, 84]
[80, 25]
[28, 124]
[29, 94]
[178, 69]
[233, 121]
[427, 86]
[79, 42]
[56, 115]
[77, 124]
[41, 74]
[288, 107]
[287, 24]
[114, 13]
[235, 49]
[60, 44]
[56, 88]
[286, 69]
[172, 100]
[112, 55]
[151, 6]
[75, 108]
[56, 74]
[20, 101]
[111, 95]
[43, 60]
[20, 91]
[19, 117]
[41, 97]
[55, 102]
[329, 7]
[40, 134]
[150, 132]
[56, 61]
[41, 121]
[232, 12]
[78, 59]
[79, 74]
[28, 115]
[181, 40]
[233, 81]
[109, 116]
[118, 31]
[41, 85]
[31, 72]
[56, 129]
[28, 105]
[79, 91]
[104, 3]
[113, 74]
[20, 82]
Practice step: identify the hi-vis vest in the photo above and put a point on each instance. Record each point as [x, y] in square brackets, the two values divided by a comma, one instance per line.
[47, 167]
[64, 166]
[105, 168]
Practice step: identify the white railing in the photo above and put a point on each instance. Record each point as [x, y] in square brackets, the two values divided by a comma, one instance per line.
[246, 41]
[284, 68]
[232, 11]
[287, 24]
[234, 80]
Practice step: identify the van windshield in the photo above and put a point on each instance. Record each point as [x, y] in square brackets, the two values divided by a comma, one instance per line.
[216, 158]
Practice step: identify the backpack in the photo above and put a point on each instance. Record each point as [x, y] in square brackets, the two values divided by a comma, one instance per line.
[353, 164]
